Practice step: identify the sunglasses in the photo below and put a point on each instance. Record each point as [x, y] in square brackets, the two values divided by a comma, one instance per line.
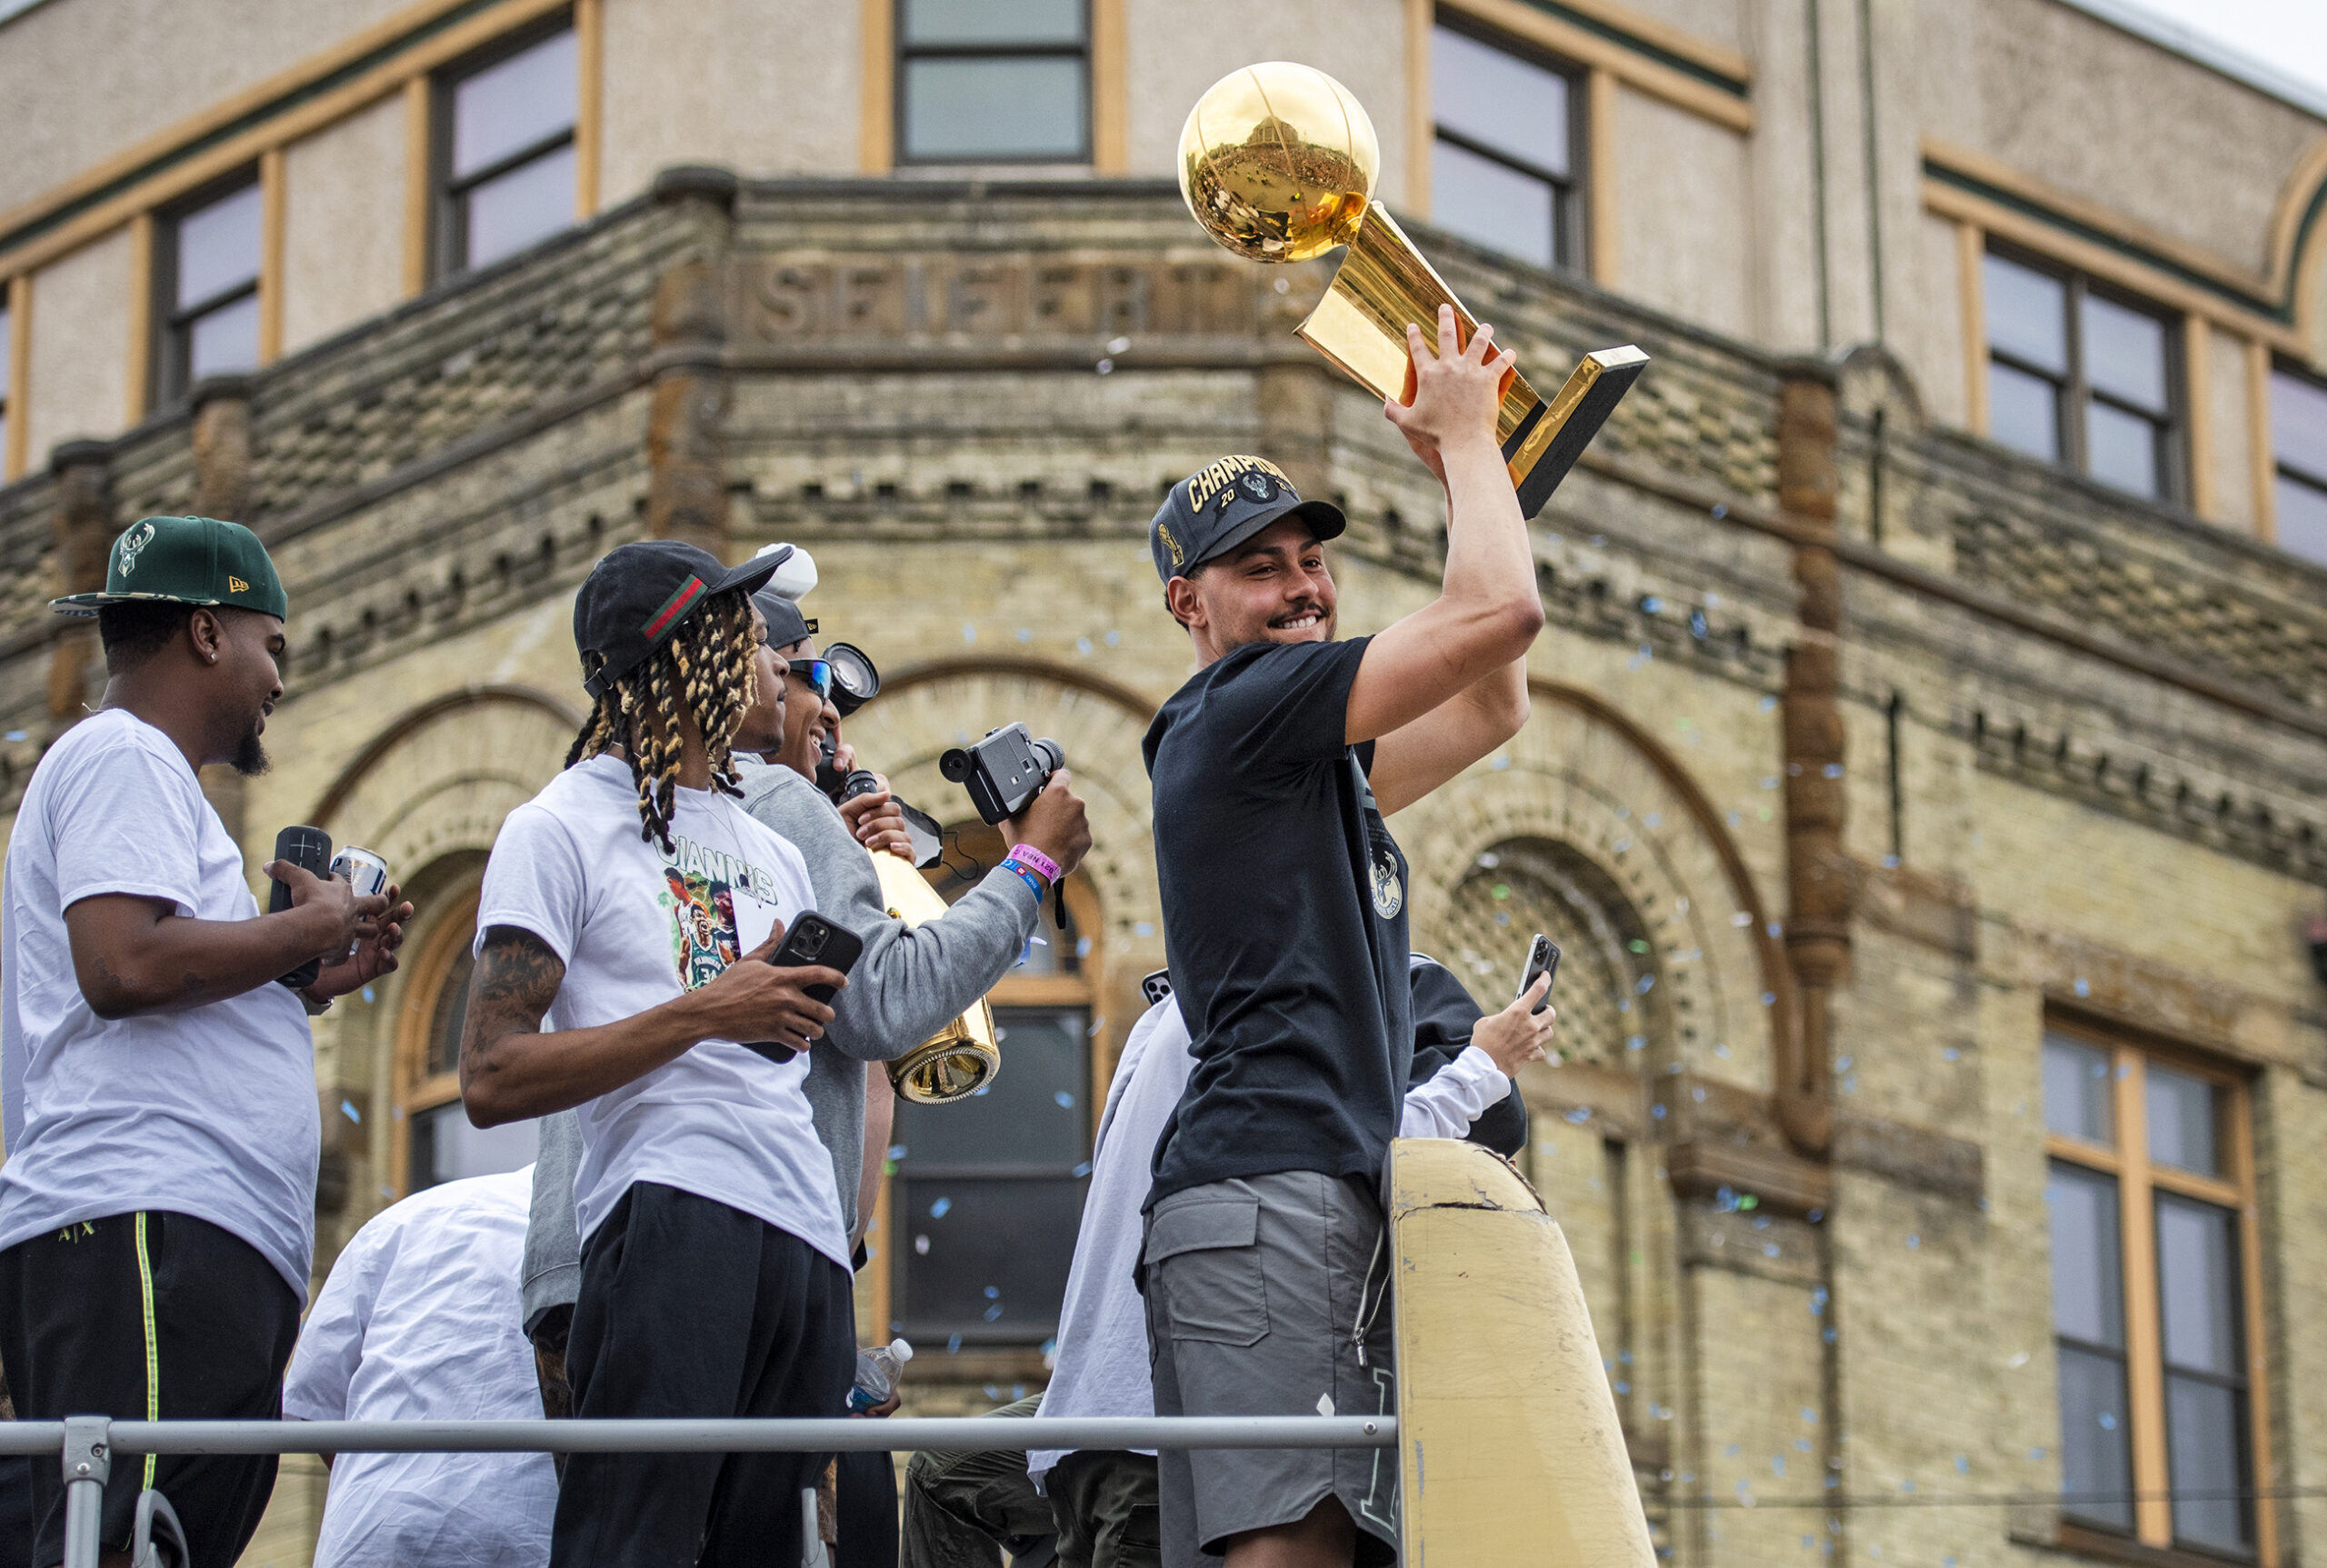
[817, 673]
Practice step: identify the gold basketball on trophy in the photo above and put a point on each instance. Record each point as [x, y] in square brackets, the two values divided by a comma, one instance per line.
[1278, 161]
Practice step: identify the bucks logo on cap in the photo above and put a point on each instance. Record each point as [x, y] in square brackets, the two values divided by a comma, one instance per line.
[136, 539]
[185, 560]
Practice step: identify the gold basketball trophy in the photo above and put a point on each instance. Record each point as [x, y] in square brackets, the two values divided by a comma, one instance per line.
[1277, 161]
[964, 1056]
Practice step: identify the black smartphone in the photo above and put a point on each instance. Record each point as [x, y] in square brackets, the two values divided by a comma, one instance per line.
[1156, 986]
[812, 940]
[309, 849]
[1543, 958]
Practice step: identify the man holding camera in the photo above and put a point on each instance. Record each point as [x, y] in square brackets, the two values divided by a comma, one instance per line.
[157, 1205]
[1272, 769]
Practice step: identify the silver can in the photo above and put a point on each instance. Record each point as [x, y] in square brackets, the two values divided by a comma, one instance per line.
[364, 871]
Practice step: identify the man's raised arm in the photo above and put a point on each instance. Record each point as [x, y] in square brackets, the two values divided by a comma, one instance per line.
[1447, 685]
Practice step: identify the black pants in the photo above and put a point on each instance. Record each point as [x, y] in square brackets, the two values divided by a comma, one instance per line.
[866, 1507]
[690, 1308]
[77, 1336]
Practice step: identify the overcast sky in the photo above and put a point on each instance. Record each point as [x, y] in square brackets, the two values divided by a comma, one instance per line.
[2287, 36]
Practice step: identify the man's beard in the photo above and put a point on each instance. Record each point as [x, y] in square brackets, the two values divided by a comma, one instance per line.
[250, 757]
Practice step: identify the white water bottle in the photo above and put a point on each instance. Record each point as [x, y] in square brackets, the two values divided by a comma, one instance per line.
[877, 1371]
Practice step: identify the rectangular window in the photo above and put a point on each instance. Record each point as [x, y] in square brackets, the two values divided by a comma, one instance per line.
[993, 81]
[506, 151]
[2150, 1205]
[206, 272]
[2298, 445]
[1502, 162]
[2078, 376]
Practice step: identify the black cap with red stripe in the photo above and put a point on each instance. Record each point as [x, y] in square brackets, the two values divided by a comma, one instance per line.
[639, 594]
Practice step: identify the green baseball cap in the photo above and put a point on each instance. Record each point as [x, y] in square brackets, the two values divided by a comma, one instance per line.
[185, 560]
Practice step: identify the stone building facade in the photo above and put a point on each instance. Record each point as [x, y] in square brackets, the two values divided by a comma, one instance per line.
[1930, 827]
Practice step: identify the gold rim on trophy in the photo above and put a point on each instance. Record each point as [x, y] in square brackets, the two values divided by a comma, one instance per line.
[1278, 163]
[962, 1057]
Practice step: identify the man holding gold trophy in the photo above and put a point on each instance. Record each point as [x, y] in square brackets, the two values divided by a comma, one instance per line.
[1264, 1260]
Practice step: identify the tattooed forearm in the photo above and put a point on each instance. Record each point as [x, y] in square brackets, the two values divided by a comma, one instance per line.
[517, 979]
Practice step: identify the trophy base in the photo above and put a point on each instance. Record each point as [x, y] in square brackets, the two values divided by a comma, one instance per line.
[1360, 325]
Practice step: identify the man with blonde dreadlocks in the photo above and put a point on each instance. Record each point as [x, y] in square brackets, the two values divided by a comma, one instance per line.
[715, 1268]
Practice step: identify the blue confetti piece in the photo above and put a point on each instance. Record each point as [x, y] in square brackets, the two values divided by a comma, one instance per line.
[1065, 1101]
[954, 1346]
[938, 1210]
[994, 1292]
[1081, 1170]
[347, 1109]
[993, 1314]
[367, 994]
[1579, 1115]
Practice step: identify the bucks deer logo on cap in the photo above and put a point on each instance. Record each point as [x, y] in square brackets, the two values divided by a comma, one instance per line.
[1256, 485]
[135, 539]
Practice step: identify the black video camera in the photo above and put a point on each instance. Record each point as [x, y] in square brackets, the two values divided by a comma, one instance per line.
[1005, 771]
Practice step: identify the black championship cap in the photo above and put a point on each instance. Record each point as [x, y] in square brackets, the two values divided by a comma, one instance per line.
[640, 593]
[185, 560]
[1224, 504]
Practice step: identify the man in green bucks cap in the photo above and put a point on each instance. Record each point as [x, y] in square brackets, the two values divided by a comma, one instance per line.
[157, 1204]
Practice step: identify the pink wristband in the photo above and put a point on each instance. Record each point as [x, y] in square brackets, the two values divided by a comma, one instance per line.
[1034, 860]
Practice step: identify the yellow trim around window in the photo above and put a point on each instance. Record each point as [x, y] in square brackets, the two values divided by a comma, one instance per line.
[141, 318]
[876, 107]
[419, 135]
[2126, 1158]
[1421, 138]
[1110, 89]
[304, 118]
[1642, 72]
[2261, 452]
[20, 364]
[1600, 181]
[416, 1089]
[1970, 254]
[271, 195]
[589, 105]
[2197, 395]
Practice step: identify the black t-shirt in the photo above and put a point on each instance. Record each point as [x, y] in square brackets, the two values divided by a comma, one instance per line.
[1445, 1016]
[1284, 918]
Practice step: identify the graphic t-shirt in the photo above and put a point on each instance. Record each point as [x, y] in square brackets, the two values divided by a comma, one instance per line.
[418, 1322]
[1284, 915]
[208, 1112]
[637, 926]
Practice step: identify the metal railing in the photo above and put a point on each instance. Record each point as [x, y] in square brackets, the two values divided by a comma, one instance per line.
[88, 1444]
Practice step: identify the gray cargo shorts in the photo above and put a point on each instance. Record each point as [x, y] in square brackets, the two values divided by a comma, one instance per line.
[1265, 1297]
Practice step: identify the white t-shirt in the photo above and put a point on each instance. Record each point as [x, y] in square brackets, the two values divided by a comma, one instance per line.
[210, 1112]
[419, 1321]
[635, 928]
[1103, 1360]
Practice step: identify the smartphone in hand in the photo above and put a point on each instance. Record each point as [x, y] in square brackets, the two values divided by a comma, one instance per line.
[813, 940]
[1543, 958]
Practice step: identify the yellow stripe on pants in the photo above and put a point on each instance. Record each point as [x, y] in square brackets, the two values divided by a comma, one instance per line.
[153, 1341]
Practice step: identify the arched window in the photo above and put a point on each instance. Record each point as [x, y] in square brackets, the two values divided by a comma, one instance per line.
[979, 1216]
[434, 1141]
[1607, 978]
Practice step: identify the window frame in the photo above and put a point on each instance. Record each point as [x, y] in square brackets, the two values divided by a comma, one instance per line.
[2126, 1161]
[2281, 469]
[170, 374]
[1571, 241]
[447, 194]
[903, 51]
[417, 1090]
[2076, 387]
[1087, 989]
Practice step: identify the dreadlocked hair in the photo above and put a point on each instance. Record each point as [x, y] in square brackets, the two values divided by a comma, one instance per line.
[706, 670]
